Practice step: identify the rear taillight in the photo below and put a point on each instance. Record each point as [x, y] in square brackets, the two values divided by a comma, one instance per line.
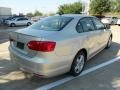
[44, 46]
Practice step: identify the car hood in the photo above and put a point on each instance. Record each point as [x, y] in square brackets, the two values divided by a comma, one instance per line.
[35, 33]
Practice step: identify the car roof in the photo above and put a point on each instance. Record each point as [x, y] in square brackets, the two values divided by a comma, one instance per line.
[76, 15]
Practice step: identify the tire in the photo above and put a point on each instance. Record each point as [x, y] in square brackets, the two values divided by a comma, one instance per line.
[12, 25]
[109, 42]
[78, 65]
[28, 24]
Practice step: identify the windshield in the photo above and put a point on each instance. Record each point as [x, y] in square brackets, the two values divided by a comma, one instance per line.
[54, 23]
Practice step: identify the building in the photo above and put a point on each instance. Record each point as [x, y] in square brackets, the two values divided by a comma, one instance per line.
[5, 13]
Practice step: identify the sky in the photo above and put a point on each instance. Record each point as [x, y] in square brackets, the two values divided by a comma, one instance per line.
[26, 6]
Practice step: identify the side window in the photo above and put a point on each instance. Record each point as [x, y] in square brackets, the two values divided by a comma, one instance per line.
[79, 27]
[22, 19]
[98, 24]
[19, 19]
[25, 19]
[87, 24]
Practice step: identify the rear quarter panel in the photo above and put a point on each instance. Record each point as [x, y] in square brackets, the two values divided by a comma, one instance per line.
[68, 41]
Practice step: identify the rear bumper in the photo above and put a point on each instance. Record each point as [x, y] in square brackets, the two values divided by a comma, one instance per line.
[39, 66]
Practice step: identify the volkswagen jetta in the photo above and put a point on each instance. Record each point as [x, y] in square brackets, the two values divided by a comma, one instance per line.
[59, 44]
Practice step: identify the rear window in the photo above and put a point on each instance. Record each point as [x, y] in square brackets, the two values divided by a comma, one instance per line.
[54, 23]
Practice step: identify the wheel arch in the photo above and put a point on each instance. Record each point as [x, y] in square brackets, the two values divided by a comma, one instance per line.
[81, 50]
[12, 23]
[111, 35]
[29, 23]
[85, 51]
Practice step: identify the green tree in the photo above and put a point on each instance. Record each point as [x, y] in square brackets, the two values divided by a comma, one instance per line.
[51, 14]
[116, 5]
[37, 13]
[113, 5]
[30, 14]
[98, 7]
[74, 8]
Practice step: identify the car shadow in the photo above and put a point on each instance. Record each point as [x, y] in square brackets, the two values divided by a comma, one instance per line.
[12, 77]
[6, 66]
[30, 82]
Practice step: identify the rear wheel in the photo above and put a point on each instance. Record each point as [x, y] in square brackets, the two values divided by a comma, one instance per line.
[12, 25]
[78, 64]
[28, 24]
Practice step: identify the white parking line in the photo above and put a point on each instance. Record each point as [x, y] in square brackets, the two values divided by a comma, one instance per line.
[59, 82]
[1, 67]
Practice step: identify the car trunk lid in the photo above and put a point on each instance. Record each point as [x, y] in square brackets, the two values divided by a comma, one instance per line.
[22, 37]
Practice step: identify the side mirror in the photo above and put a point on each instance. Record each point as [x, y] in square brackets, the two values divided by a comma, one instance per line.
[107, 26]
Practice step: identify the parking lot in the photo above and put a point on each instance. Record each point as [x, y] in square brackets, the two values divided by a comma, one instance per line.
[100, 73]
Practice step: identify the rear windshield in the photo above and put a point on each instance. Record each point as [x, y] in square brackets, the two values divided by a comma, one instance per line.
[54, 23]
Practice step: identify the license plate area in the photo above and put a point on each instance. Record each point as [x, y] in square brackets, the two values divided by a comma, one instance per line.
[20, 45]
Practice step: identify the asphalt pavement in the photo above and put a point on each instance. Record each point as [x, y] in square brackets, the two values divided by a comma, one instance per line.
[4, 32]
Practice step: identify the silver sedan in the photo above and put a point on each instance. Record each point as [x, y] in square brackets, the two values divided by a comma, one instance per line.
[59, 44]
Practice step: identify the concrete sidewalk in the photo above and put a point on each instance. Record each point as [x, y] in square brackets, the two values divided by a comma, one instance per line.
[4, 47]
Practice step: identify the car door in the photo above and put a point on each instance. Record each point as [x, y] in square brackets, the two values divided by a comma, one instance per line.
[102, 32]
[19, 21]
[91, 41]
[24, 21]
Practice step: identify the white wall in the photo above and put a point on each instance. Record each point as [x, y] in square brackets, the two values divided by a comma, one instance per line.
[5, 11]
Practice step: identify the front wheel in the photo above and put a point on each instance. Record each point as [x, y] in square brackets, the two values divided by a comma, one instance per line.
[28, 24]
[78, 64]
